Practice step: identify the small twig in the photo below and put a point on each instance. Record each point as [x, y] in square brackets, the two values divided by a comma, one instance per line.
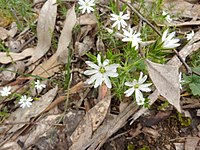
[141, 17]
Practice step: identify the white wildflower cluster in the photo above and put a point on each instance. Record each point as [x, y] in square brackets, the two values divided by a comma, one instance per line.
[24, 101]
[101, 72]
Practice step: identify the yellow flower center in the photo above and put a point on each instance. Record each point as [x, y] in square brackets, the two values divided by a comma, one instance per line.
[102, 70]
[136, 86]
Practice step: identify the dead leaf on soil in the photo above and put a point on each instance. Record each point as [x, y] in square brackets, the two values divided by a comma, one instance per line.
[45, 28]
[41, 128]
[83, 134]
[47, 68]
[3, 33]
[166, 79]
[12, 57]
[183, 8]
[24, 114]
[83, 47]
[96, 115]
[11, 70]
[87, 19]
[66, 36]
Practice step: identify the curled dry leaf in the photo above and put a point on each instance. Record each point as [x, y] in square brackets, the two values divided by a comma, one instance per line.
[12, 57]
[41, 128]
[11, 70]
[87, 19]
[47, 68]
[25, 114]
[66, 36]
[183, 8]
[83, 134]
[85, 46]
[166, 79]
[95, 117]
[45, 28]
[3, 33]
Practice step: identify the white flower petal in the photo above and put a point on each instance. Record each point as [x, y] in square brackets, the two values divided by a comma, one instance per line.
[92, 65]
[138, 95]
[92, 79]
[130, 84]
[107, 81]
[145, 87]
[98, 81]
[90, 72]
[112, 67]
[129, 92]
[105, 62]
[112, 74]
[164, 35]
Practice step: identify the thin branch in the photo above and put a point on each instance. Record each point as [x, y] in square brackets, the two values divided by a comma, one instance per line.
[141, 17]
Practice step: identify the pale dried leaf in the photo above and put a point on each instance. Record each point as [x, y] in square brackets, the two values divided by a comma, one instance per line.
[24, 114]
[85, 46]
[45, 28]
[182, 8]
[191, 143]
[11, 146]
[47, 68]
[87, 19]
[166, 79]
[96, 114]
[12, 57]
[66, 36]
[179, 146]
[41, 128]
[13, 31]
[11, 71]
[83, 134]
[3, 33]
[100, 45]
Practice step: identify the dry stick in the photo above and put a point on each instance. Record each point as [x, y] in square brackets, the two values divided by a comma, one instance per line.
[189, 70]
[141, 17]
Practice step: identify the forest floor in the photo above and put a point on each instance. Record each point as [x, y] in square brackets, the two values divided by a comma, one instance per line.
[98, 74]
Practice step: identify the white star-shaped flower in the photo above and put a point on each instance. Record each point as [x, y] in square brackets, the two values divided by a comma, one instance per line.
[101, 72]
[119, 20]
[190, 35]
[133, 37]
[5, 91]
[25, 102]
[167, 16]
[86, 5]
[169, 42]
[39, 85]
[137, 87]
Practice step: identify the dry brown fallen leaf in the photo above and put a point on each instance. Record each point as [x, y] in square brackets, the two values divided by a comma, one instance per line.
[83, 47]
[45, 28]
[191, 143]
[12, 57]
[11, 70]
[183, 8]
[47, 68]
[166, 79]
[3, 33]
[41, 129]
[83, 133]
[25, 114]
[87, 19]
[52, 65]
[95, 116]
[66, 36]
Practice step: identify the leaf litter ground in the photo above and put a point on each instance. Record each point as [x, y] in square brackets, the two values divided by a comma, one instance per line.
[69, 114]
